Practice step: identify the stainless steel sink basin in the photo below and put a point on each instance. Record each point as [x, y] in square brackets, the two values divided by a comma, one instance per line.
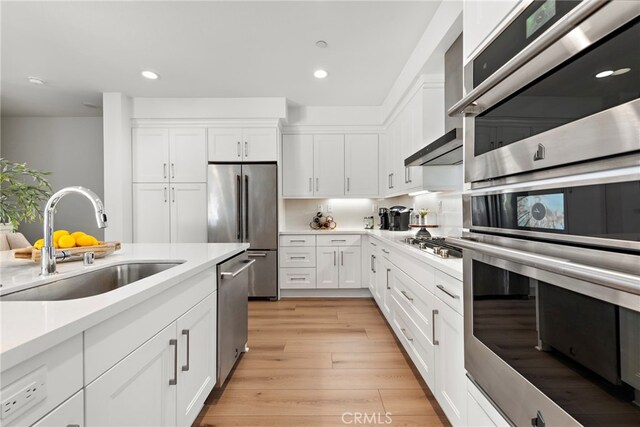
[95, 282]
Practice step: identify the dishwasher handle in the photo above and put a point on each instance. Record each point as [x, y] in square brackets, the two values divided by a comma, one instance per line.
[233, 274]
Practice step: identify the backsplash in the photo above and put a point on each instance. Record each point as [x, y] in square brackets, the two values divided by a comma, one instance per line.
[446, 211]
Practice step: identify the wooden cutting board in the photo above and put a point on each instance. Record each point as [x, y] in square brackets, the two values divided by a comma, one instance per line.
[100, 251]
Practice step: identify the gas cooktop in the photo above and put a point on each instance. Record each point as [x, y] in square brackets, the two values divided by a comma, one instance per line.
[435, 245]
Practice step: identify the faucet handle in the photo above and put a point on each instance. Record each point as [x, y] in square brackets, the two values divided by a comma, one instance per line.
[88, 258]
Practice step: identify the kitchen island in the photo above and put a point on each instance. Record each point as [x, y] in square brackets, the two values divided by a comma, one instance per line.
[71, 347]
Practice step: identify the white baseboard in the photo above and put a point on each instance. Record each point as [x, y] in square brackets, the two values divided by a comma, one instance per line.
[325, 293]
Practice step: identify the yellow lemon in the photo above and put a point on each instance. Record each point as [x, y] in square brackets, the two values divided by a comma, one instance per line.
[38, 244]
[77, 234]
[66, 242]
[57, 234]
[87, 240]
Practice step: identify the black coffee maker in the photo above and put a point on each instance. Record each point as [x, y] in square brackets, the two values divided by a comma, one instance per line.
[399, 218]
[384, 218]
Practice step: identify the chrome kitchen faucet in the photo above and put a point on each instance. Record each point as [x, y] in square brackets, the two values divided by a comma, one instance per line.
[48, 251]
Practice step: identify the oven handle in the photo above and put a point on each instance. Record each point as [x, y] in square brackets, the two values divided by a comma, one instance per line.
[609, 278]
[562, 27]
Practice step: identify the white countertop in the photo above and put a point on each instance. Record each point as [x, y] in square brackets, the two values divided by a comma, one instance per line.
[30, 327]
[450, 266]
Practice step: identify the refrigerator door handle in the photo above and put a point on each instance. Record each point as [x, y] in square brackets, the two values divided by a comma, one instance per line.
[239, 207]
[246, 208]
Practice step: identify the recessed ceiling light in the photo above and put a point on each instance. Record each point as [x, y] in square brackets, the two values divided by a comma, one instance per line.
[621, 71]
[322, 44]
[150, 75]
[320, 74]
[602, 74]
[35, 80]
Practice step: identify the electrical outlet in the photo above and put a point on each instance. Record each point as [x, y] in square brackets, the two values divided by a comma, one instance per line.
[24, 393]
[374, 208]
[329, 210]
[319, 208]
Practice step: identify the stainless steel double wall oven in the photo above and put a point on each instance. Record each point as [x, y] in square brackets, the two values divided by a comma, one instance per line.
[552, 220]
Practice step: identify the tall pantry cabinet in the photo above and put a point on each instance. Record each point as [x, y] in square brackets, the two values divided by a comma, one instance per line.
[169, 178]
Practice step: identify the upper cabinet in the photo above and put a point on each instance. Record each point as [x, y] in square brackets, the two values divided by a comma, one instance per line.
[242, 144]
[332, 165]
[479, 19]
[169, 155]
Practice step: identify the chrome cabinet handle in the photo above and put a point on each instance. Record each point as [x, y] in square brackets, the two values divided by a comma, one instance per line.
[389, 181]
[341, 257]
[386, 251]
[373, 244]
[174, 343]
[563, 26]
[298, 278]
[388, 271]
[173, 170]
[186, 333]
[165, 194]
[409, 174]
[404, 332]
[73, 425]
[317, 184]
[334, 257]
[298, 257]
[338, 240]
[246, 149]
[348, 186]
[239, 150]
[233, 274]
[164, 170]
[374, 263]
[433, 327]
[371, 264]
[310, 185]
[406, 175]
[173, 194]
[443, 289]
[392, 174]
[297, 240]
[406, 296]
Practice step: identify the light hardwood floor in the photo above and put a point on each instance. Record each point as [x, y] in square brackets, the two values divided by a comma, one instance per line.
[313, 360]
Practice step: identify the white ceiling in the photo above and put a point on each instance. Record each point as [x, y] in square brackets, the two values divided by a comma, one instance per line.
[204, 49]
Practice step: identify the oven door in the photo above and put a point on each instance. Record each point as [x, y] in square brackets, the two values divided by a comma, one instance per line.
[545, 107]
[553, 337]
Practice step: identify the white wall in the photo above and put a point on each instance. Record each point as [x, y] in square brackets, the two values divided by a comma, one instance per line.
[71, 149]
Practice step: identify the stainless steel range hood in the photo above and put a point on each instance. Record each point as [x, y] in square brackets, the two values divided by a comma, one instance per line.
[446, 150]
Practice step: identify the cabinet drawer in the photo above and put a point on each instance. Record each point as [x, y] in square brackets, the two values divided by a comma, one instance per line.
[298, 257]
[418, 302]
[419, 271]
[297, 240]
[297, 278]
[339, 240]
[449, 290]
[418, 346]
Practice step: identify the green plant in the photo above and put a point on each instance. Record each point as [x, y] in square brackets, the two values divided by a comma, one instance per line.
[22, 192]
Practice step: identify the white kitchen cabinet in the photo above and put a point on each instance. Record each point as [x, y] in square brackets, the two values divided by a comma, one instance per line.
[480, 19]
[360, 163]
[70, 413]
[188, 213]
[297, 166]
[170, 213]
[297, 278]
[141, 389]
[451, 381]
[350, 271]
[169, 155]
[328, 165]
[150, 155]
[187, 155]
[327, 269]
[196, 359]
[151, 213]
[242, 144]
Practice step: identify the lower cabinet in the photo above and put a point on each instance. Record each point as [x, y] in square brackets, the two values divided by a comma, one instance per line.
[338, 267]
[70, 413]
[165, 381]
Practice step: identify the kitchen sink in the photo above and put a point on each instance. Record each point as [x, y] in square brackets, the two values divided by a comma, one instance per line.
[92, 283]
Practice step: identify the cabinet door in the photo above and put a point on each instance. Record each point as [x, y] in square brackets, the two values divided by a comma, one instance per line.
[196, 358]
[451, 386]
[150, 155]
[327, 267]
[188, 155]
[361, 160]
[151, 213]
[350, 274]
[297, 165]
[139, 390]
[328, 165]
[259, 145]
[224, 144]
[70, 413]
[188, 213]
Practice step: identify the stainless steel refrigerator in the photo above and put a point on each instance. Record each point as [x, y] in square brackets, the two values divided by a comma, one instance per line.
[243, 207]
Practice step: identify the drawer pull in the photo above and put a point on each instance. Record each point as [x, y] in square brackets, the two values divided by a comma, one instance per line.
[298, 257]
[297, 240]
[297, 278]
[443, 289]
[338, 240]
[433, 326]
[373, 244]
[406, 296]
[388, 271]
[404, 332]
[386, 251]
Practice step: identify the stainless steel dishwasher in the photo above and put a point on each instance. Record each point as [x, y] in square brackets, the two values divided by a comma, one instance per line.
[233, 312]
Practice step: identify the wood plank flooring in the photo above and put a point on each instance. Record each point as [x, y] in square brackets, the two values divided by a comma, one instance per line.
[312, 360]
